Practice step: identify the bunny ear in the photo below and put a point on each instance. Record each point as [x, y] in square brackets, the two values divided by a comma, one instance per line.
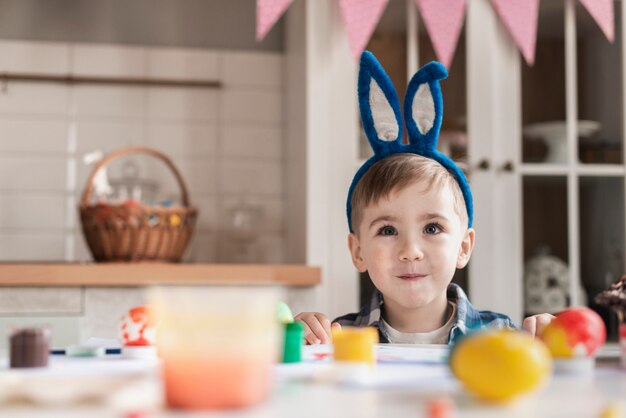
[423, 107]
[378, 101]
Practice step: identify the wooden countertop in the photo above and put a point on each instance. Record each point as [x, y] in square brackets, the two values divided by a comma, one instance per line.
[145, 274]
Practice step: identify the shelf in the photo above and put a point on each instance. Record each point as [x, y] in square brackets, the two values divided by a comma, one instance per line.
[146, 274]
[597, 170]
[124, 81]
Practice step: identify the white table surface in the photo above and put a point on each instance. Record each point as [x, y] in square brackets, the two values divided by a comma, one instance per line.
[302, 390]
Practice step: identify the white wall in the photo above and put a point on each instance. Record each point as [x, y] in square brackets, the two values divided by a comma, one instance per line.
[227, 142]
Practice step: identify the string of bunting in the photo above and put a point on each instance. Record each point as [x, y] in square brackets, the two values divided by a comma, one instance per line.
[443, 20]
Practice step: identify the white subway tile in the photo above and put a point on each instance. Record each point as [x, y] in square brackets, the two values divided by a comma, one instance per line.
[34, 134]
[271, 249]
[32, 173]
[252, 69]
[254, 177]
[82, 174]
[81, 249]
[180, 103]
[190, 139]
[202, 248]
[34, 57]
[268, 210]
[35, 300]
[113, 101]
[198, 175]
[105, 306]
[267, 249]
[34, 99]
[264, 106]
[251, 141]
[35, 246]
[302, 299]
[107, 135]
[31, 211]
[207, 212]
[109, 61]
[183, 64]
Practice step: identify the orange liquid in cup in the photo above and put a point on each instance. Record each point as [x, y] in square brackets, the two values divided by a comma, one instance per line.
[218, 345]
[211, 383]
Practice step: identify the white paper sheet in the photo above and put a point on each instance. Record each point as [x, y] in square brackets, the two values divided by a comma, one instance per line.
[386, 353]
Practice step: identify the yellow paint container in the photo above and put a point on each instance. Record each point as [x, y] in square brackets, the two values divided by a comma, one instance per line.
[351, 344]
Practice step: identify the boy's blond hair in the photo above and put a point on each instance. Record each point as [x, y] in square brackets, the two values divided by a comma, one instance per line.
[396, 172]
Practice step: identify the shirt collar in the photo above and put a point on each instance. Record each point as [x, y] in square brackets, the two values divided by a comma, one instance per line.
[466, 316]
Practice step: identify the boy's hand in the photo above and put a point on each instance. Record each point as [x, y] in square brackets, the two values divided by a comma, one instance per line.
[536, 323]
[317, 327]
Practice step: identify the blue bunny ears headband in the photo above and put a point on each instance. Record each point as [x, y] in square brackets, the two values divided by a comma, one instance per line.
[382, 120]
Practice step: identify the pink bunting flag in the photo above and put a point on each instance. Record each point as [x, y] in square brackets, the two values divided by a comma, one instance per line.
[520, 19]
[443, 20]
[360, 17]
[602, 13]
[267, 14]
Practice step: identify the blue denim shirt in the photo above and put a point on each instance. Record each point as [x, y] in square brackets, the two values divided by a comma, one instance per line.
[468, 318]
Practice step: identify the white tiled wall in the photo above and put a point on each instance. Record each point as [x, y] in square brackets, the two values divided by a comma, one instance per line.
[227, 142]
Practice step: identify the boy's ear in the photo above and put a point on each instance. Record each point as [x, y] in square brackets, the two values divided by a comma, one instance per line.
[355, 251]
[467, 246]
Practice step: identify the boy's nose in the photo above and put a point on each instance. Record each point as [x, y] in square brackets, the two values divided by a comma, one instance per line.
[411, 251]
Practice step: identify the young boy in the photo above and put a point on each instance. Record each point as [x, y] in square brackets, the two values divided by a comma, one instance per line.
[410, 217]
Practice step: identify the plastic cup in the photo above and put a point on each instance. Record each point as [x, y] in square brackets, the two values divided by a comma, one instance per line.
[352, 344]
[217, 344]
[29, 347]
[293, 340]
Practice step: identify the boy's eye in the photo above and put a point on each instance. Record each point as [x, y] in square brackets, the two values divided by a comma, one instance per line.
[387, 230]
[432, 229]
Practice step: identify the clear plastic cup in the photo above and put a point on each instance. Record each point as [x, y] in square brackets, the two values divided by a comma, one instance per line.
[218, 344]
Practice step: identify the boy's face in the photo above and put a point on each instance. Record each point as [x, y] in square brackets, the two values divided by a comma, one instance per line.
[411, 245]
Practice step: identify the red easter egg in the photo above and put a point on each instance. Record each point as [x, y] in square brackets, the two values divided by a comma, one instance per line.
[137, 327]
[575, 332]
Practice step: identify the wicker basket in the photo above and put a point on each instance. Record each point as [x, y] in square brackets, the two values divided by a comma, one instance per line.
[133, 231]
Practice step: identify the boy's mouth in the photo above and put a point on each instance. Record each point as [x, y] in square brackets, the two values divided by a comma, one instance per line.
[411, 276]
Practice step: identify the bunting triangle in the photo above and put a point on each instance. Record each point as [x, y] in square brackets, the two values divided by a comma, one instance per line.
[443, 20]
[602, 12]
[360, 18]
[267, 14]
[520, 19]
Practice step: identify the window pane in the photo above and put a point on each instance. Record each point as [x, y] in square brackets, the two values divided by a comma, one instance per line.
[601, 242]
[545, 244]
[599, 90]
[543, 90]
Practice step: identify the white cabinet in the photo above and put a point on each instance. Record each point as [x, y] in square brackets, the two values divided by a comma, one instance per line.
[542, 180]
[572, 190]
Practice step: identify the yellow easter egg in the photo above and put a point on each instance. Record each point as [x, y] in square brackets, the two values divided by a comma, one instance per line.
[174, 220]
[499, 365]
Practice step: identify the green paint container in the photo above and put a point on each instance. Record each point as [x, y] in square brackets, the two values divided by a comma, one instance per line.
[292, 347]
